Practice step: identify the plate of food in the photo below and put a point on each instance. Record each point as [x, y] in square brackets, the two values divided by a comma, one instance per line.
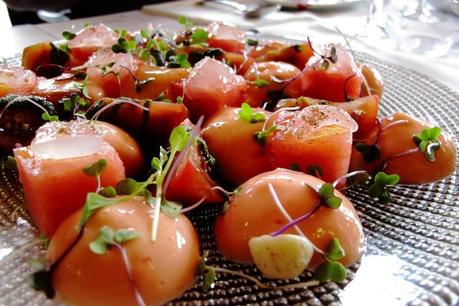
[212, 167]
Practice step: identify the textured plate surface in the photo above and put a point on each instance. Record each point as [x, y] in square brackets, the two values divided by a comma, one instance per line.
[412, 255]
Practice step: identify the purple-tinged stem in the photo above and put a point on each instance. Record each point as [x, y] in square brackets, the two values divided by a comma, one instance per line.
[181, 156]
[338, 180]
[407, 152]
[198, 203]
[392, 124]
[138, 298]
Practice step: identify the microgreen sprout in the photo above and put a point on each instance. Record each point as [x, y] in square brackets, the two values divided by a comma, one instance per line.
[59, 54]
[182, 20]
[377, 188]
[332, 57]
[47, 117]
[11, 163]
[95, 169]
[208, 272]
[246, 113]
[327, 197]
[199, 37]
[83, 87]
[260, 137]
[68, 35]
[427, 142]
[252, 42]
[260, 83]
[179, 61]
[108, 238]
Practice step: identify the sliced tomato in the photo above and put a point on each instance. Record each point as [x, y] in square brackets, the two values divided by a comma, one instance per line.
[51, 172]
[297, 55]
[273, 75]
[246, 159]
[363, 110]
[240, 62]
[148, 82]
[191, 182]
[152, 125]
[104, 71]
[55, 89]
[210, 86]
[16, 80]
[91, 39]
[317, 139]
[262, 53]
[323, 79]
[226, 36]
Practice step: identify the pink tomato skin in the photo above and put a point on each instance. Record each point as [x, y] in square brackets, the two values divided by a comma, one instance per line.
[210, 86]
[227, 37]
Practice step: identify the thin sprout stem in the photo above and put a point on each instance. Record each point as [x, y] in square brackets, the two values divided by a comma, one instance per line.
[198, 203]
[182, 154]
[338, 180]
[264, 286]
[138, 297]
[289, 219]
[354, 66]
[24, 98]
[98, 184]
[116, 102]
[222, 190]
[156, 214]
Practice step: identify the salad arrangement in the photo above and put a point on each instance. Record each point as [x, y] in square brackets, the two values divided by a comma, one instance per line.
[120, 134]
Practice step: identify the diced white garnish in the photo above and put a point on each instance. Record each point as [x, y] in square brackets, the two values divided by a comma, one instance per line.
[67, 147]
[281, 257]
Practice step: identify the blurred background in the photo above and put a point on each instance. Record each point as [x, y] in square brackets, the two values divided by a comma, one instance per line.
[39, 11]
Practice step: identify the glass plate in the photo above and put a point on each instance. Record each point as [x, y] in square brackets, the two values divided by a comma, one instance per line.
[412, 243]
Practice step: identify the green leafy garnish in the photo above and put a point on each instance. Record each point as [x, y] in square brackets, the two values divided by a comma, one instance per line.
[199, 36]
[124, 45]
[378, 186]
[68, 35]
[185, 22]
[108, 192]
[260, 137]
[171, 209]
[330, 271]
[11, 163]
[128, 186]
[83, 87]
[179, 100]
[208, 272]
[145, 33]
[370, 152]
[334, 250]
[179, 61]
[108, 238]
[252, 42]
[59, 54]
[75, 102]
[47, 117]
[93, 202]
[260, 83]
[327, 197]
[246, 113]
[427, 142]
[95, 169]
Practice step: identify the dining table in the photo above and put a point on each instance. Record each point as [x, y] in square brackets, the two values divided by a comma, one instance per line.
[344, 24]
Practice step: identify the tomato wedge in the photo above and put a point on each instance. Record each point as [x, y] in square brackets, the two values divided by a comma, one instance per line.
[91, 39]
[210, 86]
[226, 36]
[335, 78]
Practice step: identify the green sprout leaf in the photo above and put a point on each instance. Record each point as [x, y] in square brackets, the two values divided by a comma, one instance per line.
[378, 187]
[246, 113]
[330, 271]
[208, 272]
[334, 250]
[260, 83]
[145, 33]
[59, 54]
[11, 163]
[182, 60]
[128, 186]
[260, 137]
[95, 169]
[171, 209]
[252, 42]
[108, 192]
[179, 138]
[68, 35]
[427, 142]
[184, 21]
[199, 36]
[370, 152]
[47, 117]
[108, 238]
[327, 197]
[93, 202]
